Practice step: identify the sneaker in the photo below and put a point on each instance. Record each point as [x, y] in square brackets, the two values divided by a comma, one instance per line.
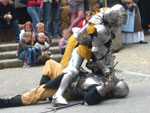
[26, 65]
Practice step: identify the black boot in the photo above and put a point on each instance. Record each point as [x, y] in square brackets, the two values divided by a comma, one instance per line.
[12, 102]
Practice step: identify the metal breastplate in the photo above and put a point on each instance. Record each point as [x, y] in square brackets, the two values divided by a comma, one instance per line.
[80, 85]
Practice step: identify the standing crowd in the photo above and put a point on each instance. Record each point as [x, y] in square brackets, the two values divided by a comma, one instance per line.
[41, 24]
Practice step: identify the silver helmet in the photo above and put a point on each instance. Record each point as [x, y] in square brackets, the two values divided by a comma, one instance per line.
[121, 89]
[115, 15]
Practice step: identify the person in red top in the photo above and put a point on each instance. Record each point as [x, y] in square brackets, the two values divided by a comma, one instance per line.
[82, 22]
[76, 8]
[85, 20]
[34, 8]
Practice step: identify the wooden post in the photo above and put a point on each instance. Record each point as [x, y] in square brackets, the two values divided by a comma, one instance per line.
[106, 5]
[7, 35]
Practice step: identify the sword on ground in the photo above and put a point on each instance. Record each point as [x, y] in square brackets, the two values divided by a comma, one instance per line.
[54, 109]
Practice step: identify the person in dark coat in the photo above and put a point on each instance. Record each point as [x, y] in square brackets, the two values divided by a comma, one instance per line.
[21, 12]
[8, 17]
[144, 7]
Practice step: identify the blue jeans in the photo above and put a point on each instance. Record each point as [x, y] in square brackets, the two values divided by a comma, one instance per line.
[30, 53]
[35, 13]
[86, 5]
[101, 4]
[46, 13]
[54, 14]
[15, 27]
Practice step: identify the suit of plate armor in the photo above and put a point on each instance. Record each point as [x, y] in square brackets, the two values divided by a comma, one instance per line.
[106, 24]
[102, 87]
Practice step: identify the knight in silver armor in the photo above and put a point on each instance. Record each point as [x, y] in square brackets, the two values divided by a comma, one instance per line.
[95, 87]
[106, 24]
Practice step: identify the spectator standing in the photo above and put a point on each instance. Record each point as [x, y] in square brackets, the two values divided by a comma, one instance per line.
[47, 4]
[63, 41]
[54, 19]
[8, 17]
[21, 9]
[34, 8]
[26, 51]
[86, 5]
[40, 29]
[26, 28]
[77, 12]
[101, 3]
[132, 30]
[144, 6]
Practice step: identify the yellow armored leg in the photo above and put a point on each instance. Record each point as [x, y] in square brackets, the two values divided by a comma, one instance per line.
[37, 94]
[52, 69]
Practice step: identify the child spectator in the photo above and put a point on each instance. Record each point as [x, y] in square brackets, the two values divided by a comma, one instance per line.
[42, 49]
[85, 20]
[26, 51]
[63, 41]
[40, 29]
[26, 28]
[82, 22]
